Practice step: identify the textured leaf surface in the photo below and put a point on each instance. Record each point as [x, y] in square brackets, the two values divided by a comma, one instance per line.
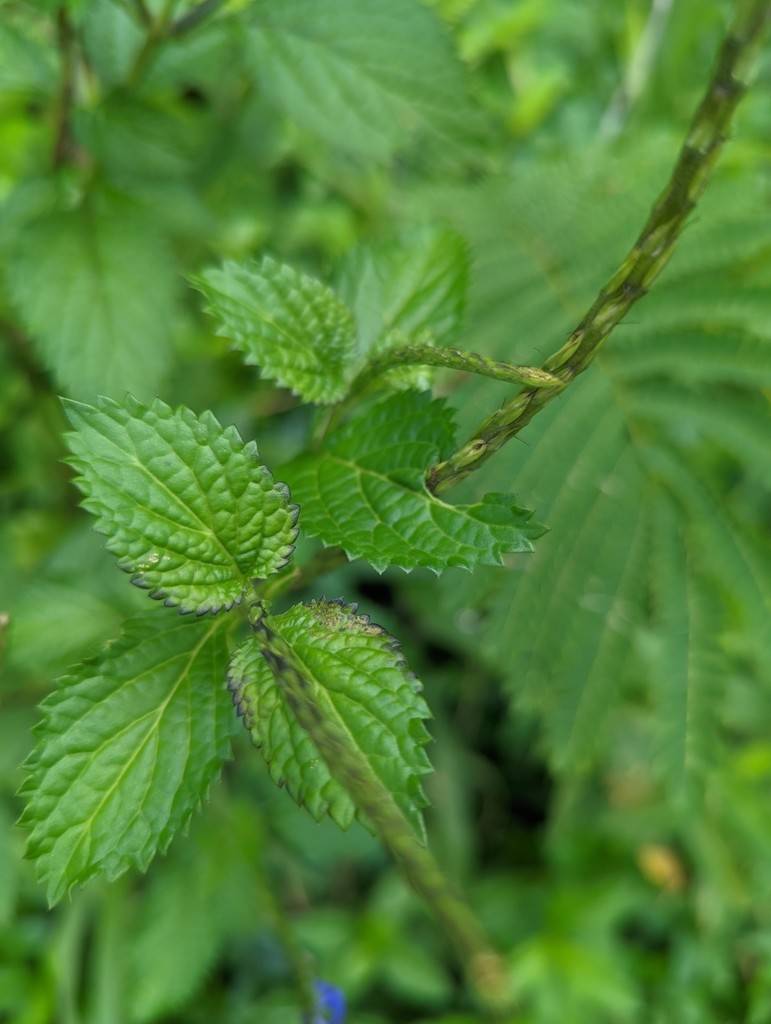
[689, 668]
[366, 493]
[726, 551]
[416, 285]
[128, 746]
[585, 582]
[362, 74]
[360, 680]
[187, 507]
[290, 325]
[95, 287]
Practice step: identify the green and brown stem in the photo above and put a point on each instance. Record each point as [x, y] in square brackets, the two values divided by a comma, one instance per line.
[453, 359]
[484, 968]
[648, 257]
[162, 28]
[63, 112]
[194, 17]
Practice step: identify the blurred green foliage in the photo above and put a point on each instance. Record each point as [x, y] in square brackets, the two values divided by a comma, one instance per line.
[602, 709]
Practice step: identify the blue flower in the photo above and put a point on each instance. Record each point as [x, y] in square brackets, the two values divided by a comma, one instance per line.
[330, 1005]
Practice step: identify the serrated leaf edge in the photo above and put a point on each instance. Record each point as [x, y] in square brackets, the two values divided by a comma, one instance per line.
[133, 407]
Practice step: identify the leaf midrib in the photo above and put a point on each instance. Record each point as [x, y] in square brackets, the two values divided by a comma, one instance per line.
[86, 825]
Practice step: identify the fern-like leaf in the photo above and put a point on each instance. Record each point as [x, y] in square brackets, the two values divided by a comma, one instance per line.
[688, 670]
[665, 396]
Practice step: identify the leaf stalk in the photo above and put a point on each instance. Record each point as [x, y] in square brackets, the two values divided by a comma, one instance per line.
[163, 28]
[453, 359]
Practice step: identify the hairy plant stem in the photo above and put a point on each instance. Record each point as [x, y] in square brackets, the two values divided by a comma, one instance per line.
[453, 359]
[648, 257]
[483, 966]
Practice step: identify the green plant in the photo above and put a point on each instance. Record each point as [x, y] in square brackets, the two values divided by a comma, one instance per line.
[132, 739]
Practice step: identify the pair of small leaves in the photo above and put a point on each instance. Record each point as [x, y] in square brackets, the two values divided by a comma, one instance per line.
[366, 491]
[131, 741]
[194, 517]
[307, 338]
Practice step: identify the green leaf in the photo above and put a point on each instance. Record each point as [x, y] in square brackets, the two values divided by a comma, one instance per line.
[128, 746]
[290, 325]
[25, 65]
[366, 493]
[360, 681]
[205, 892]
[111, 40]
[688, 668]
[10, 863]
[728, 552]
[96, 287]
[416, 285]
[561, 626]
[740, 424]
[361, 74]
[187, 507]
[727, 355]
[82, 620]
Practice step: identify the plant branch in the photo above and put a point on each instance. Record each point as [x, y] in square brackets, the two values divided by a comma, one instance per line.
[453, 359]
[192, 18]
[163, 28]
[484, 968]
[62, 115]
[140, 11]
[157, 34]
[648, 257]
